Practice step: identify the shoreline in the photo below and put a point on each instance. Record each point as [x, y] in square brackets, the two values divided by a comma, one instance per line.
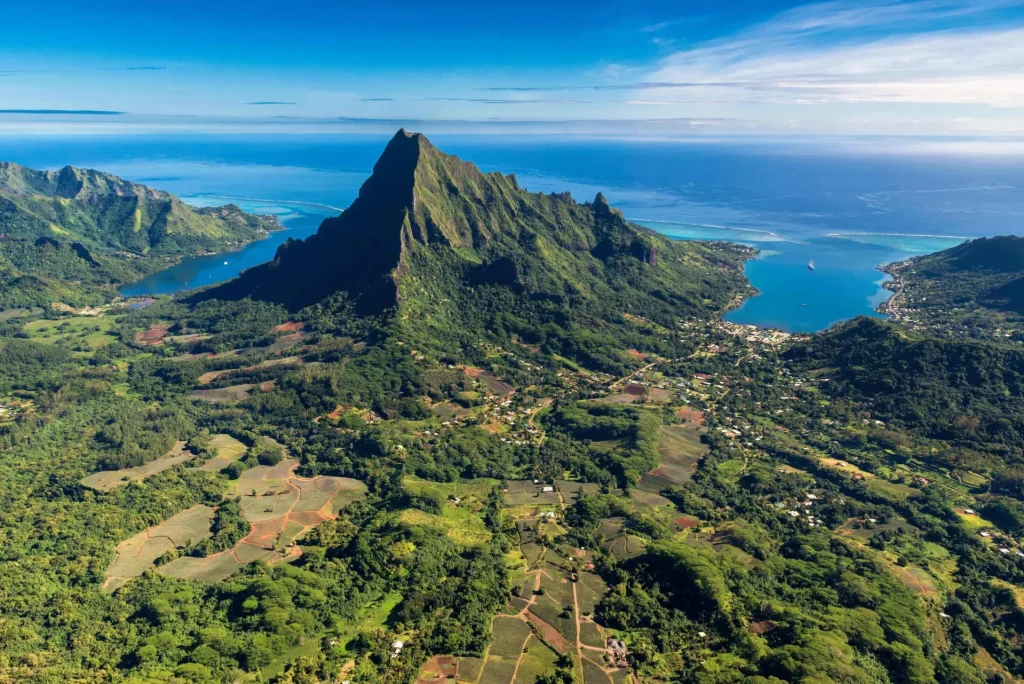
[891, 307]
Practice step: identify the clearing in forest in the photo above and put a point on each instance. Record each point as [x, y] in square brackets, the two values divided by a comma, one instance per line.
[679, 450]
[229, 394]
[279, 505]
[228, 449]
[107, 480]
[137, 554]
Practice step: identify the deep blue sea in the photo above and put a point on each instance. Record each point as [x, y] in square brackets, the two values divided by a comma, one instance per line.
[845, 208]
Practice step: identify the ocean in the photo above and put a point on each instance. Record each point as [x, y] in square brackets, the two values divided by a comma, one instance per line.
[845, 207]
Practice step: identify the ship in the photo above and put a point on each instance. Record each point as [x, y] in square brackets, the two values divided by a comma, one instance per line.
[810, 265]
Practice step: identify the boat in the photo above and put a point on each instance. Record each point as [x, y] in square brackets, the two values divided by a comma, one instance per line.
[810, 265]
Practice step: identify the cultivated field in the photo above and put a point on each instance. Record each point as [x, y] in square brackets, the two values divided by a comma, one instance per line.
[137, 554]
[279, 505]
[107, 480]
[228, 449]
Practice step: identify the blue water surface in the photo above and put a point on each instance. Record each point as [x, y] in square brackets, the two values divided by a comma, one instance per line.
[846, 209]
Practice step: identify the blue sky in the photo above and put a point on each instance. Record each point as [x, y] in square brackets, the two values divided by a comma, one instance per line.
[917, 67]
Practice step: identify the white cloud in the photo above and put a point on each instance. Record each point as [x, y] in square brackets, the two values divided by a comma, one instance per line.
[839, 52]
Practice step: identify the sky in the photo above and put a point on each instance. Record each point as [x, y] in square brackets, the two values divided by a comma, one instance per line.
[625, 68]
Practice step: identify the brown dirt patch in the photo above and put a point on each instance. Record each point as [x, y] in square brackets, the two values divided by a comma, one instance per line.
[153, 337]
[685, 521]
[635, 390]
[550, 634]
[762, 626]
[264, 534]
[637, 354]
[289, 327]
[691, 415]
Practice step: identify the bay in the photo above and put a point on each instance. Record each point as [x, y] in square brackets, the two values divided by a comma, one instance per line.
[845, 207]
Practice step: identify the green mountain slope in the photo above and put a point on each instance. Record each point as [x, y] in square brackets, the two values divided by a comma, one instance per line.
[975, 289]
[452, 251]
[967, 392]
[90, 229]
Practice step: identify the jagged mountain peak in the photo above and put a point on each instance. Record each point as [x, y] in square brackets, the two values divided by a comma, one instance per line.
[428, 227]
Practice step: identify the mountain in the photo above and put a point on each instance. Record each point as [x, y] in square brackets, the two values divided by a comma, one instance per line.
[945, 389]
[102, 211]
[975, 289]
[93, 229]
[448, 248]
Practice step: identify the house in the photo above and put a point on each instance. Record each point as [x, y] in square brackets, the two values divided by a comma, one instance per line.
[968, 511]
[455, 500]
[547, 488]
[617, 653]
[396, 648]
[985, 534]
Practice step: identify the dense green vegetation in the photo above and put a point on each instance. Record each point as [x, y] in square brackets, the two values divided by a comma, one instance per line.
[560, 442]
[975, 289]
[68, 236]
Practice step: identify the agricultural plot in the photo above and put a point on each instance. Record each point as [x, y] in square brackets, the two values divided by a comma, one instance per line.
[625, 547]
[207, 378]
[572, 491]
[536, 661]
[438, 669]
[108, 480]
[489, 381]
[228, 449]
[680, 450]
[154, 336]
[137, 554]
[555, 615]
[498, 671]
[594, 673]
[525, 492]
[591, 635]
[280, 507]
[230, 394]
[510, 634]
[470, 669]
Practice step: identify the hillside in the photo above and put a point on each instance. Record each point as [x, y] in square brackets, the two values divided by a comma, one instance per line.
[975, 289]
[454, 251]
[93, 229]
[963, 391]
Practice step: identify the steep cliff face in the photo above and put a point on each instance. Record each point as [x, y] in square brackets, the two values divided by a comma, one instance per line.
[431, 236]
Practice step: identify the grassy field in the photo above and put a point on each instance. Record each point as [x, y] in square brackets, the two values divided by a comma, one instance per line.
[93, 331]
[461, 527]
[228, 449]
[107, 480]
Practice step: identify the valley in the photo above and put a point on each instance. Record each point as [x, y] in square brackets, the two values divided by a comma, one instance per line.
[519, 444]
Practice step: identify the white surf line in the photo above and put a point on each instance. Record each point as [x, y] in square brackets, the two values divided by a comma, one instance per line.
[711, 225]
[264, 199]
[921, 235]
